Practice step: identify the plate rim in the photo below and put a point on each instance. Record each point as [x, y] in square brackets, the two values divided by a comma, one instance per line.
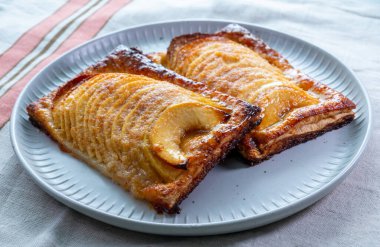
[180, 229]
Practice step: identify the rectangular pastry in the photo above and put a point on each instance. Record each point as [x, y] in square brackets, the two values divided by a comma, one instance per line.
[295, 108]
[151, 131]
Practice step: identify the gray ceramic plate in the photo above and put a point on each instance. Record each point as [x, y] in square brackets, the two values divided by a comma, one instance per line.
[232, 197]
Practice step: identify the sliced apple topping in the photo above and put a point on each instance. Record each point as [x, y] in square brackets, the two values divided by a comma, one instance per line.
[172, 125]
[278, 100]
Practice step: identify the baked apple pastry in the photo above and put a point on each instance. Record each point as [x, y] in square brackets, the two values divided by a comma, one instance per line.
[151, 131]
[295, 108]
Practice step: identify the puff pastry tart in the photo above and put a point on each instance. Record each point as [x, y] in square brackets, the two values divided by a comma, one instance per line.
[153, 132]
[295, 108]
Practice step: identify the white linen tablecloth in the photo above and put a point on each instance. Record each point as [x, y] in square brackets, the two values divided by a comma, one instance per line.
[349, 216]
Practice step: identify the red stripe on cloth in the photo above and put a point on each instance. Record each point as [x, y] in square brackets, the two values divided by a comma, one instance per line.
[87, 30]
[29, 40]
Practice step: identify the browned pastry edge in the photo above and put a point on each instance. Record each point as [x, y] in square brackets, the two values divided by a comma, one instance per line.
[243, 118]
[333, 100]
[215, 158]
[292, 141]
[35, 109]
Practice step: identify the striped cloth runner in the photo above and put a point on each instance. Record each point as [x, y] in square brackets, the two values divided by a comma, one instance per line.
[74, 22]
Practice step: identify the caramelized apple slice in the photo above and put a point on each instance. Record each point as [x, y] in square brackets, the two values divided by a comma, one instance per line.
[278, 99]
[174, 122]
[158, 57]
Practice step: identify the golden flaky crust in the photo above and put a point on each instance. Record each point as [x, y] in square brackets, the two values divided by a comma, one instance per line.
[330, 109]
[164, 195]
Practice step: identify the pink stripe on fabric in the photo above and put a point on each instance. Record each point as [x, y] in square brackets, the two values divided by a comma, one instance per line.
[30, 40]
[86, 31]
